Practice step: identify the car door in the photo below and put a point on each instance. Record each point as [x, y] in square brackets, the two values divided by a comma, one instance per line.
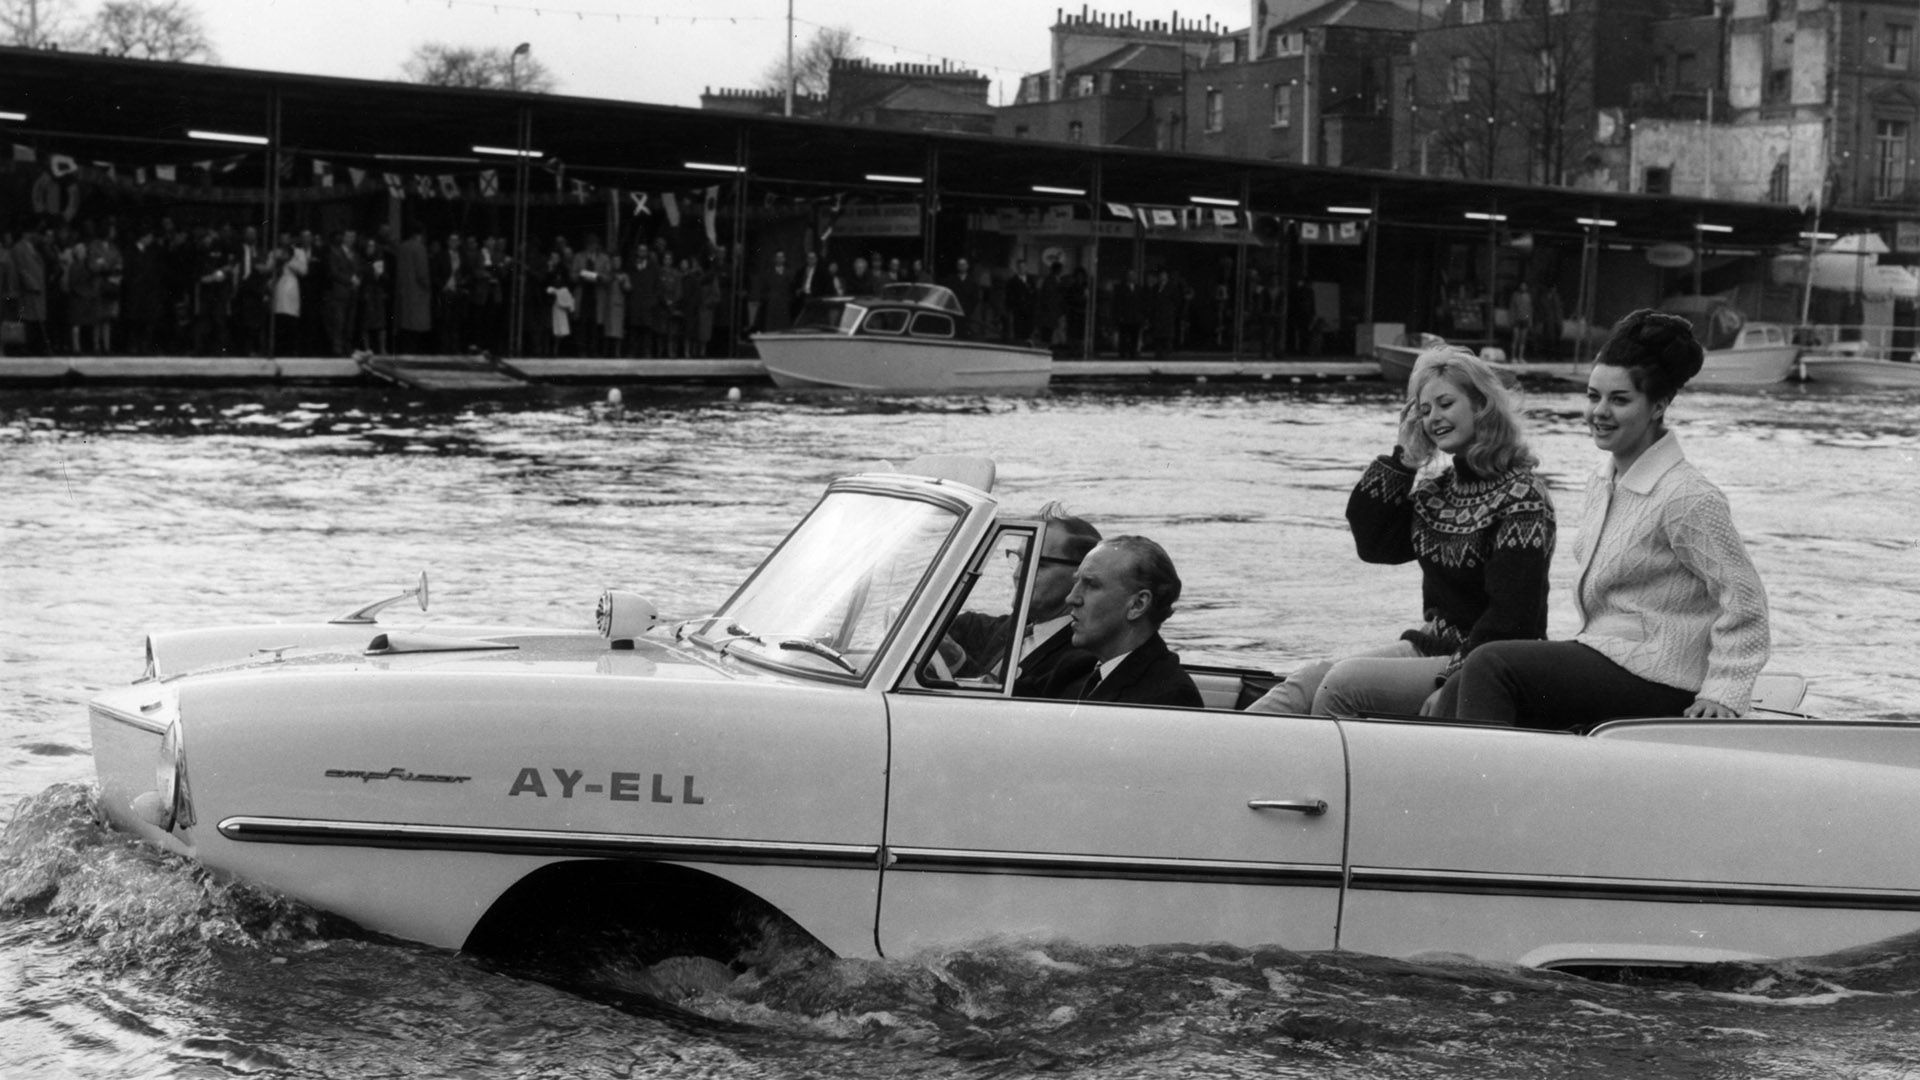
[1108, 823]
[1627, 847]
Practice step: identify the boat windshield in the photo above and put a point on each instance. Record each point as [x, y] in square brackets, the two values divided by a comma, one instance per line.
[828, 315]
[826, 601]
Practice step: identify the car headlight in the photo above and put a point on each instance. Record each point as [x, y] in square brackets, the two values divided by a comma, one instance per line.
[170, 779]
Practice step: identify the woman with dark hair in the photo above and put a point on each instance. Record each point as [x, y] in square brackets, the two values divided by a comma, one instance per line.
[1673, 619]
[1482, 531]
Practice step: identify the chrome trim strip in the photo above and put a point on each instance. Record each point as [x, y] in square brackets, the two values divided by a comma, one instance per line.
[108, 712]
[385, 834]
[1043, 864]
[1639, 890]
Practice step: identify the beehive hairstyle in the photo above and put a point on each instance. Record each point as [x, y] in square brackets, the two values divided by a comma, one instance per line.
[1657, 349]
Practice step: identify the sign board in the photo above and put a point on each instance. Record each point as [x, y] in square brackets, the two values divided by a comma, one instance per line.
[879, 219]
[1906, 237]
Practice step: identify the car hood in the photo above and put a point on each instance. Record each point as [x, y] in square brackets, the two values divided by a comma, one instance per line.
[477, 649]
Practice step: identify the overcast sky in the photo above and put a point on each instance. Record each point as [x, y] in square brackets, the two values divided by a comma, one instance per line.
[661, 51]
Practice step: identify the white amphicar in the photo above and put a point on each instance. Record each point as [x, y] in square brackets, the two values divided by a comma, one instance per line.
[814, 753]
[910, 339]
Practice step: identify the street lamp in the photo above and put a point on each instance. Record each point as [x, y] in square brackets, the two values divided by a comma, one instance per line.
[513, 64]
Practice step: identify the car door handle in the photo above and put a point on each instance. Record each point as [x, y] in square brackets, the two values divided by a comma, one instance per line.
[1309, 807]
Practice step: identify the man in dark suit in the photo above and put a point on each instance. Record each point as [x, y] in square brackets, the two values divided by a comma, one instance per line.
[1125, 588]
[1046, 645]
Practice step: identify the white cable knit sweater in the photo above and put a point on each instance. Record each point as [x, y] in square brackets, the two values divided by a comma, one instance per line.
[1666, 589]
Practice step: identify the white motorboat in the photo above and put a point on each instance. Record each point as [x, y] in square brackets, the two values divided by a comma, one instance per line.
[908, 340]
[1739, 353]
[1849, 365]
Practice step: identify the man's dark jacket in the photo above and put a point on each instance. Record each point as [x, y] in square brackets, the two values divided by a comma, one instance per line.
[1150, 675]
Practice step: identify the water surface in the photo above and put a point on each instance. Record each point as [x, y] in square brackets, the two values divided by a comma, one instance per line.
[124, 511]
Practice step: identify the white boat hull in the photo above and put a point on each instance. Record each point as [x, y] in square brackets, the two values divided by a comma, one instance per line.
[1760, 366]
[1842, 370]
[829, 361]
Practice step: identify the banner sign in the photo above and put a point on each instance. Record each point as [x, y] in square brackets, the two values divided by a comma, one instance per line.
[878, 219]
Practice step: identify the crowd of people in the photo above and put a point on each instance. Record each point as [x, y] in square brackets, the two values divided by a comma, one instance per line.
[158, 287]
[1671, 615]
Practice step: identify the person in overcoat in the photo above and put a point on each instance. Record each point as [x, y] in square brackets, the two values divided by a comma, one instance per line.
[413, 292]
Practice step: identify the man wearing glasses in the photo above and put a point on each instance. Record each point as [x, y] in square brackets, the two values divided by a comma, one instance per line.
[1046, 643]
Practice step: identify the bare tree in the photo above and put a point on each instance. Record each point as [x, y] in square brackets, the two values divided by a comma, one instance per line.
[492, 68]
[39, 24]
[1554, 114]
[812, 63]
[150, 30]
[1513, 99]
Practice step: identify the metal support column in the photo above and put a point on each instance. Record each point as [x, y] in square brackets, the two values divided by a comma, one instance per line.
[1373, 259]
[272, 234]
[737, 258]
[518, 258]
[930, 211]
[1241, 272]
[1090, 325]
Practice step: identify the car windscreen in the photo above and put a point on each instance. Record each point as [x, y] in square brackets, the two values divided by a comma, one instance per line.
[827, 601]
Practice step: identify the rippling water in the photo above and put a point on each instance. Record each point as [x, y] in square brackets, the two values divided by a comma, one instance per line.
[123, 511]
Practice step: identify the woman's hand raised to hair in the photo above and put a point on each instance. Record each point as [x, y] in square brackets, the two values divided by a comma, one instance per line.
[1414, 447]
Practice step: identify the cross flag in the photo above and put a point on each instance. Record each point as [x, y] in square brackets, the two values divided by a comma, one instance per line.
[449, 187]
[423, 185]
[489, 182]
[395, 187]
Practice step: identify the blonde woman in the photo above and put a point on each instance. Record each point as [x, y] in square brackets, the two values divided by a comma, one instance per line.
[1481, 528]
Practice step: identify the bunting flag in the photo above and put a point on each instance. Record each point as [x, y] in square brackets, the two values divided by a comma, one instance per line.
[204, 166]
[107, 167]
[231, 164]
[1120, 210]
[489, 182]
[24, 154]
[640, 203]
[449, 187]
[581, 189]
[1350, 231]
[1164, 218]
[710, 213]
[1310, 231]
[1225, 218]
[166, 173]
[62, 165]
[322, 173]
[395, 188]
[558, 170]
[140, 175]
[358, 176]
[672, 206]
[423, 185]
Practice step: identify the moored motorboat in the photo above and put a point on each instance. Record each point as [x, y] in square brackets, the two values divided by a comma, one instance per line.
[908, 340]
[1739, 352]
[1848, 365]
[1396, 360]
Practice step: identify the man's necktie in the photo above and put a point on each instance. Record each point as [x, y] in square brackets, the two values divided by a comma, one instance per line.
[1093, 680]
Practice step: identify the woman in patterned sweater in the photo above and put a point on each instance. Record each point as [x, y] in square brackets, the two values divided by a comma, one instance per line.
[1673, 619]
[1482, 532]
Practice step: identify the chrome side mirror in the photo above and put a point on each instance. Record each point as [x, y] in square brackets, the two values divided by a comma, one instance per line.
[365, 615]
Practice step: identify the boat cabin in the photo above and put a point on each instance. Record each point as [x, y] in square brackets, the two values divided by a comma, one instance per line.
[902, 309]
